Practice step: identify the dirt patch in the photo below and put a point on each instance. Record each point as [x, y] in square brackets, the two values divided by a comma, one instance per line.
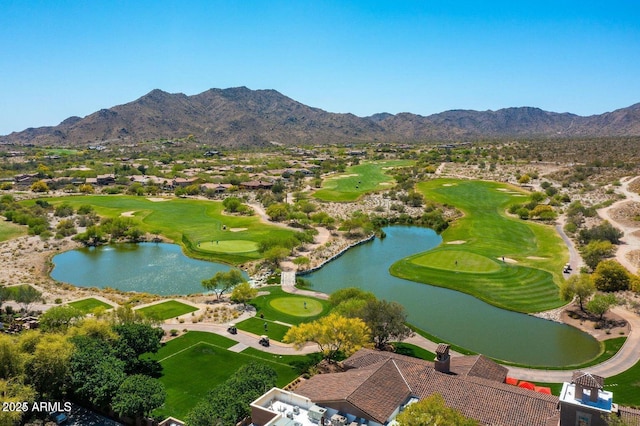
[128, 214]
[457, 242]
[237, 229]
[611, 325]
[158, 200]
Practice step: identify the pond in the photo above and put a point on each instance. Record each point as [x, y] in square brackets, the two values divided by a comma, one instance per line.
[156, 268]
[453, 316]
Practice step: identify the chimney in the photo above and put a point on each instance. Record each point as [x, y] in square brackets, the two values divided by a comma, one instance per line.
[443, 359]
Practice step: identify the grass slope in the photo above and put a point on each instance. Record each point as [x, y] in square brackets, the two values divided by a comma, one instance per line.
[358, 180]
[528, 284]
[10, 230]
[255, 325]
[166, 310]
[88, 305]
[197, 220]
[198, 361]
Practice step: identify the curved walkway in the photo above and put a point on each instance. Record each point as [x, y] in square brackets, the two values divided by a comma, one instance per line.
[630, 238]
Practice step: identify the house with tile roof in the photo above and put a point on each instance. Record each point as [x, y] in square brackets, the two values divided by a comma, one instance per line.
[376, 386]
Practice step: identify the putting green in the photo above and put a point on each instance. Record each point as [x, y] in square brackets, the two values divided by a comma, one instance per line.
[228, 246]
[296, 306]
[457, 261]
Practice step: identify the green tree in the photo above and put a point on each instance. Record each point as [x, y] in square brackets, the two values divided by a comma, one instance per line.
[580, 286]
[138, 395]
[10, 358]
[59, 318]
[222, 281]
[96, 373]
[27, 296]
[228, 403]
[333, 334]
[276, 254]
[432, 411]
[595, 251]
[386, 321]
[600, 304]
[47, 368]
[278, 212]
[243, 292]
[16, 392]
[611, 276]
[135, 339]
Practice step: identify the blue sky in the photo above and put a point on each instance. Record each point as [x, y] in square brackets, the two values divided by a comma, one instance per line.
[62, 58]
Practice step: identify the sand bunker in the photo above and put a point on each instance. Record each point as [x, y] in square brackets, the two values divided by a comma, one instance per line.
[448, 184]
[536, 258]
[345, 176]
[385, 183]
[457, 242]
[157, 200]
[237, 229]
[128, 214]
[507, 259]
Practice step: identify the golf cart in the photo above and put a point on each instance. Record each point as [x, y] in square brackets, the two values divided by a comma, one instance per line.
[264, 340]
[232, 329]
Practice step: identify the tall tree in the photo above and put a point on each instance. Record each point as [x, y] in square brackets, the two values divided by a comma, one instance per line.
[333, 334]
[47, 368]
[386, 320]
[138, 395]
[222, 281]
[432, 411]
[27, 296]
[59, 318]
[601, 303]
[134, 340]
[596, 251]
[96, 373]
[580, 286]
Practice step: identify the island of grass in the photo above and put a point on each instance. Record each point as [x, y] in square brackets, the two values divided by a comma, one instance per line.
[89, 305]
[507, 262]
[199, 225]
[197, 362]
[165, 310]
[358, 180]
[288, 308]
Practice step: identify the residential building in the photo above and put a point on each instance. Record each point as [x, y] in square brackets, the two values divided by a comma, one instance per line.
[376, 386]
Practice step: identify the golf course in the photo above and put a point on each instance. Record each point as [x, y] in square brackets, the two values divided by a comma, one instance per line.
[502, 260]
[199, 225]
[358, 180]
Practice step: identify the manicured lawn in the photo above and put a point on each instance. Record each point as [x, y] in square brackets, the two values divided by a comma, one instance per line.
[88, 305]
[188, 222]
[12, 292]
[263, 306]
[9, 230]
[255, 325]
[197, 362]
[470, 257]
[625, 386]
[166, 310]
[296, 305]
[358, 180]
[414, 351]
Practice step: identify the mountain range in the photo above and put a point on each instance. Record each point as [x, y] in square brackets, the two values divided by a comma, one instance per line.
[240, 117]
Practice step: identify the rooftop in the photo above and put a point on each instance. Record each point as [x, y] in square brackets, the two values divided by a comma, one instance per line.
[604, 402]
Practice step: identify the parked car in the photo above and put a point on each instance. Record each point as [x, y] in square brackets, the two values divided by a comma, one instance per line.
[59, 417]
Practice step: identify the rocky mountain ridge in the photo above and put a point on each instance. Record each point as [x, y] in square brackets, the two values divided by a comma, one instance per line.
[240, 117]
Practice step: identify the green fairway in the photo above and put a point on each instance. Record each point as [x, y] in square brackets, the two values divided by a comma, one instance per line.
[264, 306]
[9, 230]
[166, 310]
[297, 306]
[187, 222]
[88, 305]
[458, 261]
[255, 325]
[197, 362]
[528, 278]
[228, 246]
[358, 180]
